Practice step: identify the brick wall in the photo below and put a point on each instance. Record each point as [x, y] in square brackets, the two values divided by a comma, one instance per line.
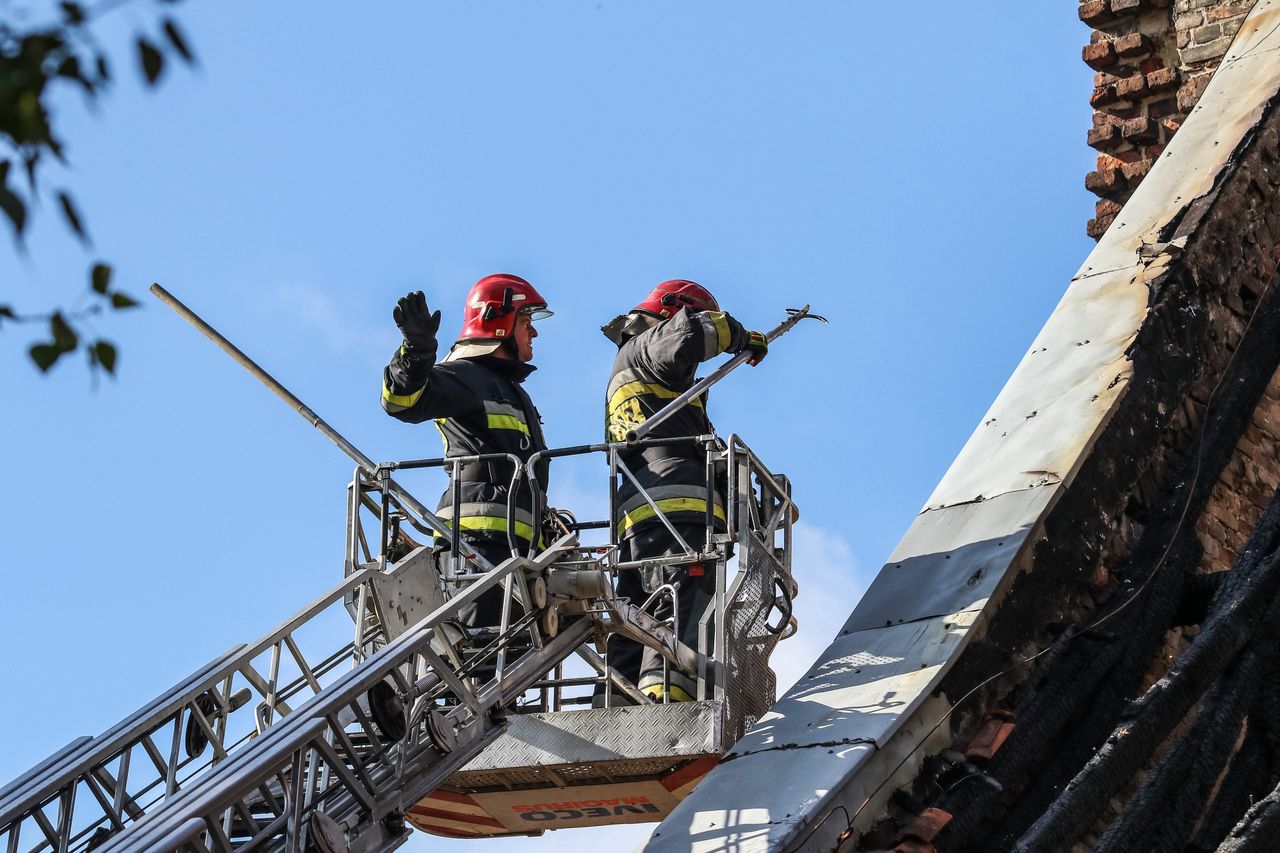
[1153, 59]
[1245, 487]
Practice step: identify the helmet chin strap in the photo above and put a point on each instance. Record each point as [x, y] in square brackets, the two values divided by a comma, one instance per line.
[509, 348]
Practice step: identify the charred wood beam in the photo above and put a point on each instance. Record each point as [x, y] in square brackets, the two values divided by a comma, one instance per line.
[1071, 711]
[1259, 830]
[1168, 362]
[1197, 592]
[1141, 630]
[1236, 396]
[1243, 601]
[1162, 813]
[1087, 687]
[1254, 769]
[1247, 771]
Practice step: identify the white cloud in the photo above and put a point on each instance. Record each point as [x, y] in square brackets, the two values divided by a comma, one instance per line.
[336, 325]
[831, 583]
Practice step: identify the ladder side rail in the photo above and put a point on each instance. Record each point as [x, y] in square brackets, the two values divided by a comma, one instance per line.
[42, 783]
[42, 767]
[92, 756]
[424, 773]
[245, 771]
[360, 809]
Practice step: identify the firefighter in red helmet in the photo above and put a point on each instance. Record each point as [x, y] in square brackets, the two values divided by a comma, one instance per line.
[660, 343]
[476, 398]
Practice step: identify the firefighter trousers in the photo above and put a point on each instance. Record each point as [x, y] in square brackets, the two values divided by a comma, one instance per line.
[696, 588]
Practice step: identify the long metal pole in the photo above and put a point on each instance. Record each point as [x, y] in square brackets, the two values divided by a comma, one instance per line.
[366, 464]
[369, 466]
[721, 372]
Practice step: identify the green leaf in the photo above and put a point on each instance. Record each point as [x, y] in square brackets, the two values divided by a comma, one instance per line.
[100, 277]
[121, 300]
[73, 12]
[72, 216]
[63, 336]
[31, 162]
[70, 67]
[152, 60]
[44, 355]
[14, 208]
[106, 355]
[179, 42]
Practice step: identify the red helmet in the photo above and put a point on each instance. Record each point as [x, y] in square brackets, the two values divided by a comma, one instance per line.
[668, 297]
[493, 304]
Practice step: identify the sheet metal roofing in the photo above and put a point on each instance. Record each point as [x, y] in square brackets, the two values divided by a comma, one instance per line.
[816, 763]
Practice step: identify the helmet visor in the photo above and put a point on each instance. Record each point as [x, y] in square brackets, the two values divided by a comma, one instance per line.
[536, 312]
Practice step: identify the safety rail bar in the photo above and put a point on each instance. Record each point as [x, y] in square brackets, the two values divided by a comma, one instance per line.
[91, 782]
[94, 783]
[743, 519]
[309, 775]
[101, 785]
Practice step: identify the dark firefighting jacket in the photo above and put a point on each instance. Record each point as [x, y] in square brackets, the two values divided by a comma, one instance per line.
[479, 407]
[652, 368]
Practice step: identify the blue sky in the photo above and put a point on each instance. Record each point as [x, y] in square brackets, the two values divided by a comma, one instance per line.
[916, 175]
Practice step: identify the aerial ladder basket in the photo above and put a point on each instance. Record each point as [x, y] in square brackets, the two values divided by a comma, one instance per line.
[304, 740]
[562, 763]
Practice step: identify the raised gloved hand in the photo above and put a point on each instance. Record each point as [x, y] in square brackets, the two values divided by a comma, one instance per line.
[756, 344]
[417, 324]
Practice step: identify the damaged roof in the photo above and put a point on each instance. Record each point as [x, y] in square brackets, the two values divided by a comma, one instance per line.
[1087, 421]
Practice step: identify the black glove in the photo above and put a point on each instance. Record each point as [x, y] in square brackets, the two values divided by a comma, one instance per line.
[756, 344]
[417, 325]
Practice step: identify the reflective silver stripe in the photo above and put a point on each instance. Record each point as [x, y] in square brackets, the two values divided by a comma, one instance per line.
[623, 411]
[483, 508]
[502, 416]
[493, 408]
[710, 339]
[492, 518]
[659, 493]
[622, 377]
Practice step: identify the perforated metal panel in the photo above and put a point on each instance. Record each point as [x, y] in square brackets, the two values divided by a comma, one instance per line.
[751, 684]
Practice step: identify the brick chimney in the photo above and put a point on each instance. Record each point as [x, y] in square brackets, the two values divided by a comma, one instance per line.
[1153, 59]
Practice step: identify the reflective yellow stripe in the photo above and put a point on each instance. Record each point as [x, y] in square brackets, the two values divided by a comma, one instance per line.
[443, 437]
[635, 389]
[508, 422]
[669, 505]
[656, 692]
[623, 412]
[404, 401]
[489, 522]
[723, 338]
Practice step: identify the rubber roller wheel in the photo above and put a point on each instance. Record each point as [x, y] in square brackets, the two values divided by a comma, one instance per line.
[550, 622]
[388, 711]
[195, 740]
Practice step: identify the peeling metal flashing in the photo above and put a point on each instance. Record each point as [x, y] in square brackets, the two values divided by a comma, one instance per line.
[946, 577]
[826, 744]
